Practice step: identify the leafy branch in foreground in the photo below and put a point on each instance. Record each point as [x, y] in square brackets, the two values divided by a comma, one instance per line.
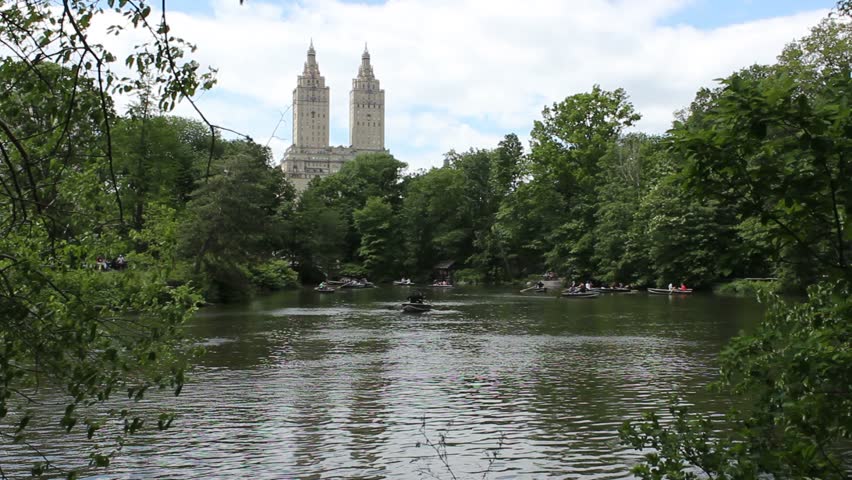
[91, 335]
[794, 378]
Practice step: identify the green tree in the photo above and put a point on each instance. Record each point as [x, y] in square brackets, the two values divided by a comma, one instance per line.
[774, 148]
[567, 146]
[159, 159]
[368, 175]
[777, 147]
[435, 219]
[380, 248]
[318, 240]
[793, 378]
[233, 221]
[94, 336]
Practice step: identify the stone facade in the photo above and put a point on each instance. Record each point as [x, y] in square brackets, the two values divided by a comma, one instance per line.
[310, 106]
[366, 109]
[310, 155]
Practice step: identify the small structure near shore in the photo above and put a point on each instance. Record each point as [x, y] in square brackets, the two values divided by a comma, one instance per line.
[443, 272]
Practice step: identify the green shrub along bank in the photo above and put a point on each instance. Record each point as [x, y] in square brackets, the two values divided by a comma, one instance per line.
[747, 288]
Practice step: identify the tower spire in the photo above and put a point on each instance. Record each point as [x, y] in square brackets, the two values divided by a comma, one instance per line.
[311, 66]
[365, 71]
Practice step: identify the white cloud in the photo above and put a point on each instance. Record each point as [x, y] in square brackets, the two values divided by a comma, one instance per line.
[461, 73]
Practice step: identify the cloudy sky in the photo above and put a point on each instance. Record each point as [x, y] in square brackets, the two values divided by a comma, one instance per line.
[459, 74]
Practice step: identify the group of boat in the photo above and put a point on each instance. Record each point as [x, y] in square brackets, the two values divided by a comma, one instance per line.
[417, 304]
[587, 291]
[330, 286]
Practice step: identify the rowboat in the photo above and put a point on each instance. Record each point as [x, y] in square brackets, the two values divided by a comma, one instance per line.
[416, 307]
[438, 285]
[358, 285]
[666, 291]
[580, 294]
[402, 284]
[611, 290]
[535, 290]
[324, 289]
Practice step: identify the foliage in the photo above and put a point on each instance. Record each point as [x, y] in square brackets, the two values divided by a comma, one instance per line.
[772, 145]
[776, 147]
[468, 276]
[370, 175]
[233, 222]
[567, 147]
[353, 270]
[317, 238]
[380, 245]
[746, 288]
[794, 376]
[273, 275]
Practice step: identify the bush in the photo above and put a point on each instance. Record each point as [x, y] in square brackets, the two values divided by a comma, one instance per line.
[273, 275]
[353, 270]
[468, 276]
[793, 381]
[746, 288]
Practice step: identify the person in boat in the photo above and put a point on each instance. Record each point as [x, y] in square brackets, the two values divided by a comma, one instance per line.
[671, 287]
[416, 297]
[583, 288]
[539, 285]
[683, 286]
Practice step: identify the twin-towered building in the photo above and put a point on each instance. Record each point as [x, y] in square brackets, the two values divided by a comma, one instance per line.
[310, 155]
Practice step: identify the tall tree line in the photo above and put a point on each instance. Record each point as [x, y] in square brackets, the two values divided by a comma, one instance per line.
[750, 181]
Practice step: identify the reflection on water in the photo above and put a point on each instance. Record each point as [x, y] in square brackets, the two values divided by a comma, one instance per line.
[305, 386]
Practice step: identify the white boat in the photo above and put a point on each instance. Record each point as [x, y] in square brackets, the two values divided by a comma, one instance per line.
[666, 291]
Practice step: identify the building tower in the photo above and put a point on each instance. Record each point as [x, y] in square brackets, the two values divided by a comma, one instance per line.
[366, 109]
[310, 106]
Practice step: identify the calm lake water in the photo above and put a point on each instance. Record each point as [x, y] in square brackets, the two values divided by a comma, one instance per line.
[309, 386]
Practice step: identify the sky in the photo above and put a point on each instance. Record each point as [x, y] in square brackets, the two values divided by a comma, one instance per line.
[461, 74]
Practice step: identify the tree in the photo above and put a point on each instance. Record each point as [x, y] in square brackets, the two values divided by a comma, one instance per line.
[567, 146]
[774, 147]
[92, 335]
[435, 218]
[368, 175]
[233, 221]
[777, 146]
[380, 247]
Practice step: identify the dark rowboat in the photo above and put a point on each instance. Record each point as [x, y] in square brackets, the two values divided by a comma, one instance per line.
[580, 294]
[435, 285]
[324, 290]
[416, 307]
[402, 284]
[666, 291]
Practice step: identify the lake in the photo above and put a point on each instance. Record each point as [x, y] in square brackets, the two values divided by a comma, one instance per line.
[508, 385]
